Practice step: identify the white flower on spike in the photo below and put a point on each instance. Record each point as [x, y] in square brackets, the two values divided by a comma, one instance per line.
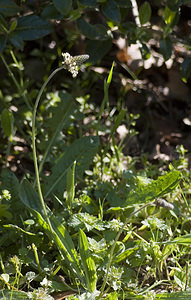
[72, 63]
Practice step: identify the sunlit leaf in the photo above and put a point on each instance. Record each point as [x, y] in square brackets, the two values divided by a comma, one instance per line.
[157, 188]
[87, 261]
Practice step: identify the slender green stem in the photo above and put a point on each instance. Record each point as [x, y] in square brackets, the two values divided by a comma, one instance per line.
[34, 147]
[37, 258]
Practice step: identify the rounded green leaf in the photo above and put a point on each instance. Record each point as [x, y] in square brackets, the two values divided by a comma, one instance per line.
[9, 8]
[166, 48]
[111, 11]
[145, 13]
[31, 28]
[63, 6]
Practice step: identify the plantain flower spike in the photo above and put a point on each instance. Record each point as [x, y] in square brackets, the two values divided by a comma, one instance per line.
[72, 63]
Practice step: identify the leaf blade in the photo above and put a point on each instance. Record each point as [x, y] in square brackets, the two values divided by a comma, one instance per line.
[87, 262]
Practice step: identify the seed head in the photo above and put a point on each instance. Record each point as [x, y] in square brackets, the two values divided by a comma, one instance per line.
[163, 203]
[80, 59]
[72, 63]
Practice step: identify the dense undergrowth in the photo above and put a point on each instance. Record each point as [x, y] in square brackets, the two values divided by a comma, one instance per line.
[86, 210]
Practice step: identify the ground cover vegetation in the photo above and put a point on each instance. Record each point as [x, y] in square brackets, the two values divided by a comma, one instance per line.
[95, 149]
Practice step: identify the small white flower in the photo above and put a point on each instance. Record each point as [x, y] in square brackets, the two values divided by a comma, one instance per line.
[6, 195]
[45, 282]
[72, 63]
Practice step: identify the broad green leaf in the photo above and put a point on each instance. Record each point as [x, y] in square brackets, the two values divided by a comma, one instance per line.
[16, 40]
[7, 121]
[14, 295]
[61, 236]
[111, 11]
[97, 49]
[166, 48]
[145, 13]
[87, 262]
[146, 192]
[29, 197]
[9, 8]
[185, 69]
[31, 27]
[82, 150]
[63, 6]
[50, 12]
[92, 32]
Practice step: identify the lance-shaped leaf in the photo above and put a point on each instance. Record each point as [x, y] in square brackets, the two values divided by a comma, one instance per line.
[61, 236]
[87, 262]
[150, 191]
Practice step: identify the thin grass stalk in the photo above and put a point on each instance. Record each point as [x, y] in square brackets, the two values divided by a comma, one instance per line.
[34, 147]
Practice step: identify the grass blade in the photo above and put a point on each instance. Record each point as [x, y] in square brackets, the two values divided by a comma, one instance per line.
[70, 185]
[106, 94]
